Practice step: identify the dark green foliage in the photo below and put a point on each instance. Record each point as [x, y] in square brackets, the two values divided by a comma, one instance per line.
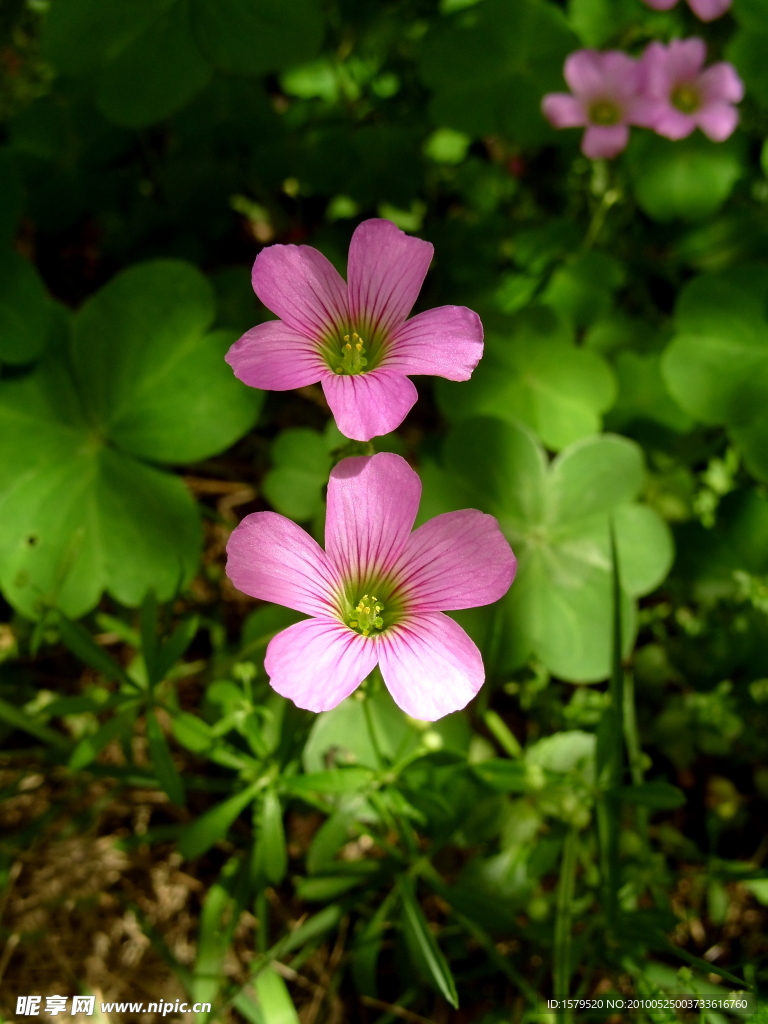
[594, 820]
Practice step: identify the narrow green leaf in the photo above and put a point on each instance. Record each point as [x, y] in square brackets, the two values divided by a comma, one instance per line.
[658, 796]
[148, 621]
[505, 776]
[342, 780]
[89, 748]
[417, 926]
[13, 716]
[367, 947]
[176, 645]
[82, 645]
[275, 1001]
[274, 856]
[162, 761]
[218, 920]
[503, 734]
[214, 824]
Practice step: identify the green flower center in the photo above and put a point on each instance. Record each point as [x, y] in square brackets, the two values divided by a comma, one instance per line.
[352, 355]
[604, 113]
[366, 617]
[686, 98]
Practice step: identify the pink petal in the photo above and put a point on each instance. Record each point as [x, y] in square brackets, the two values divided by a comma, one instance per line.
[456, 560]
[654, 71]
[708, 10]
[318, 662]
[661, 5]
[272, 558]
[386, 271]
[718, 121]
[367, 405]
[645, 111]
[274, 357]
[620, 76]
[721, 82]
[685, 59]
[674, 124]
[583, 71]
[563, 110]
[301, 287]
[430, 666]
[446, 341]
[600, 142]
[372, 505]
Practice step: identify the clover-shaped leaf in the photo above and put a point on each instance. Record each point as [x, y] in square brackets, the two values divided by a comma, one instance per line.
[716, 367]
[488, 73]
[140, 379]
[252, 37]
[144, 58]
[535, 373]
[301, 463]
[556, 517]
[688, 179]
[148, 60]
[25, 310]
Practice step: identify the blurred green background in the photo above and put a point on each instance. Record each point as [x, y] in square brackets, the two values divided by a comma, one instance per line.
[594, 824]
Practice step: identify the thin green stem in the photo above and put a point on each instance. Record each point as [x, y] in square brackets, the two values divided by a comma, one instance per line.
[372, 731]
[634, 751]
[561, 968]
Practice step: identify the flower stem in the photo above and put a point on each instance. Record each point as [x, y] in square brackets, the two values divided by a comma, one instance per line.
[561, 968]
[372, 731]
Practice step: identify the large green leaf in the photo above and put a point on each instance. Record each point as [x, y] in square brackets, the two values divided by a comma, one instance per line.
[747, 49]
[79, 513]
[152, 378]
[252, 37]
[717, 365]
[156, 74]
[82, 35]
[25, 310]
[556, 518]
[142, 54]
[689, 179]
[10, 196]
[536, 374]
[96, 520]
[488, 73]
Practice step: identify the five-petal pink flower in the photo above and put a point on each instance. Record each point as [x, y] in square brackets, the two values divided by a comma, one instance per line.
[705, 10]
[684, 96]
[355, 337]
[606, 99]
[377, 594]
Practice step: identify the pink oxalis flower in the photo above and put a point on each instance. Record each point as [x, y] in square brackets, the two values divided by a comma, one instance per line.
[355, 337]
[706, 10]
[684, 97]
[377, 593]
[606, 99]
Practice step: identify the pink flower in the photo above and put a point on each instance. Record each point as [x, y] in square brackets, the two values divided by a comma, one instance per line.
[606, 99]
[684, 97]
[706, 10]
[354, 338]
[377, 593]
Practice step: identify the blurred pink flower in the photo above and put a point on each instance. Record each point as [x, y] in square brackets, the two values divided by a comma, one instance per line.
[706, 10]
[684, 97]
[377, 593]
[606, 99]
[354, 337]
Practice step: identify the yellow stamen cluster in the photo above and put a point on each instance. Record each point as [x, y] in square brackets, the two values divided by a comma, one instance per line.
[367, 616]
[686, 98]
[352, 355]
